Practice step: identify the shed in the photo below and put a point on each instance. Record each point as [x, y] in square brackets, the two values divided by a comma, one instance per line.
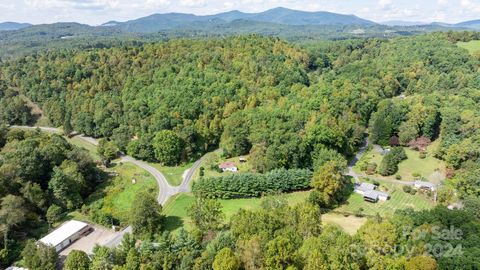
[424, 185]
[66, 234]
[228, 166]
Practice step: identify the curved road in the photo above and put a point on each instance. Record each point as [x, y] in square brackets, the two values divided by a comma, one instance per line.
[165, 189]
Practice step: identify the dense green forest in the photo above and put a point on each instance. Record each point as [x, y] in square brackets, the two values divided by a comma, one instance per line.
[41, 177]
[260, 95]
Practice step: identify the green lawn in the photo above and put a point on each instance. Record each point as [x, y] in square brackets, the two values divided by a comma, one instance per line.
[115, 197]
[399, 200]
[472, 46]
[176, 210]
[213, 159]
[431, 168]
[174, 174]
[92, 149]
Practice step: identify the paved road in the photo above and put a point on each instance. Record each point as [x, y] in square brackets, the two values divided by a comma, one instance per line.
[165, 192]
[185, 185]
[354, 161]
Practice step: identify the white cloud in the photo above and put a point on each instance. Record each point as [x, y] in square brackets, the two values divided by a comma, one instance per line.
[193, 3]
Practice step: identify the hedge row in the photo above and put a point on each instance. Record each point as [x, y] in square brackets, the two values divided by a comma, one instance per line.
[253, 185]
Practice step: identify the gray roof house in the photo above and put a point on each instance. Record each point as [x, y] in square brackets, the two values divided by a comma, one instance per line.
[364, 187]
[369, 192]
[375, 196]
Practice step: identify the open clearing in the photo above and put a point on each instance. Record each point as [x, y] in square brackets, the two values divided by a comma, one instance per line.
[350, 224]
[173, 174]
[176, 210]
[472, 46]
[398, 200]
[92, 149]
[115, 196]
[430, 167]
[213, 159]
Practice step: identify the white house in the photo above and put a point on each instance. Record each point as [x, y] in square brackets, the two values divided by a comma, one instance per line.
[228, 166]
[424, 185]
[66, 234]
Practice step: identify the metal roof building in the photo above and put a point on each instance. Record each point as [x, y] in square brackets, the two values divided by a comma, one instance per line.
[66, 234]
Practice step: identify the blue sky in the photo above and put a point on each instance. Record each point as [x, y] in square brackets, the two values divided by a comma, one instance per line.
[99, 11]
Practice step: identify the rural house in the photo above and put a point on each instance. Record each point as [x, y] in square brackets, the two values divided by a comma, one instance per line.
[228, 166]
[369, 193]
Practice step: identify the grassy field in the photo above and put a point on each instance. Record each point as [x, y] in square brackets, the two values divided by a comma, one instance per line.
[399, 200]
[174, 175]
[116, 195]
[350, 224]
[431, 168]
[176, 210]
[472, 46]
[214, 159]
[92, 149]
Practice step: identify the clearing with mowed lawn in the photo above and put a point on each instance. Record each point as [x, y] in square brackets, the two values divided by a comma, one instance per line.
[429, 167]
[114, 197]
[398, 200]
[472, 46]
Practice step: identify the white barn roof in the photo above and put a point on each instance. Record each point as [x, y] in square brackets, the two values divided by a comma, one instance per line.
[63, 232]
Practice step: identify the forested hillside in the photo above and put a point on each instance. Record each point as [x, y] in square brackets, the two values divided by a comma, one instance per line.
[41, 177]
[288, 105]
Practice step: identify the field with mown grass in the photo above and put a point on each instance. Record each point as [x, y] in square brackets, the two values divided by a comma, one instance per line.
[115, 196]
[213, 159]
[176, 210]
[174, 174]
[430, 167]
[92, 149]
[398, 200]
[472, 46]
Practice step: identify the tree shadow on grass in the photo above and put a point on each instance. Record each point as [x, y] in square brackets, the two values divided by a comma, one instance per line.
[172, 223]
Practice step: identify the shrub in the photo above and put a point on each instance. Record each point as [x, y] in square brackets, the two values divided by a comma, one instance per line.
[416, 175]
[407, 189]
[371, 168]
[390, 161]
[422, 155]
[413, 191]
[253, 185]
[359, 212]
[398, 177]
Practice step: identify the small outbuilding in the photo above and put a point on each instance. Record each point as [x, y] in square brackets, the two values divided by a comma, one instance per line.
[424, 185]
[228, 166]
[66, 234]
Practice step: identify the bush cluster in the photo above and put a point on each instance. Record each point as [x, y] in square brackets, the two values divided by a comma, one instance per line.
[253, 185]
[389, 165]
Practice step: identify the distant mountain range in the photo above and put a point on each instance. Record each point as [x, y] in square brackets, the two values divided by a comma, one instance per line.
[169, 21]
[20, 39]
[9, 26]
[279, 16]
